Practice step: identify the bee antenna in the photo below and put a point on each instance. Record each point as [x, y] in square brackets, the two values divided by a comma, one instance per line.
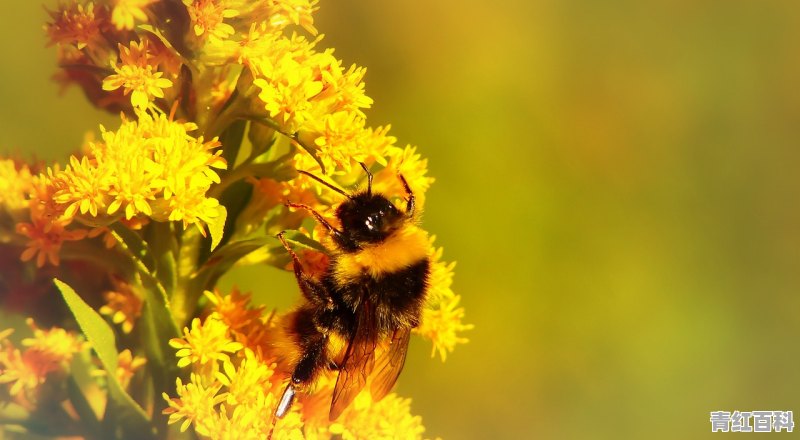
[329, 185]
[369, 178]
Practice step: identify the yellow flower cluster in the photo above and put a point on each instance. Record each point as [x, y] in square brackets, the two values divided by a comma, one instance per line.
[442, 318]
[137, 73]
[237, 378]
[122, 304]
[150, 167]
[47, 353]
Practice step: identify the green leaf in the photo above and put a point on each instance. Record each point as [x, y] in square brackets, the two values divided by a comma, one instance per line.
[261, 137]
[133, 421]
[96, 329]
[217, 226]
[231, 140]
[85, 412]
[235, 199]
[224, 258]
[298, 239]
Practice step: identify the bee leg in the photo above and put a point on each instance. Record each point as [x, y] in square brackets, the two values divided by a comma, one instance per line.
[312, 290]
[411, 198]
[337, 234]
[312, 344]
[286, 401]
[316, 215]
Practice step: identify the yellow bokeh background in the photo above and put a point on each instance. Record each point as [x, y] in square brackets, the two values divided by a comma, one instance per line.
[617, 181]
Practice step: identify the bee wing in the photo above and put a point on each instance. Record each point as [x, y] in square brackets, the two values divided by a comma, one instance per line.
[359, 360]
[390, 364]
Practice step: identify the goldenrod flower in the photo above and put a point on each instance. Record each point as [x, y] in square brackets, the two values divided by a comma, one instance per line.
[287, 92]
[408, 163]
[234, 310]
[79, 24]
[441, 317]
[127, 366]
[127, 12]
[54, 347]
[298, 12]
[16, 182]
[137, 76]
[21, 373]
[340, 140]
[442, 324]
[122, 305]
[195, 403]
[151, 166]
[248, 382]
[385, 420]
[45, 240]
[88, 189]
[205, 344]
[207, 17]
[47, 352]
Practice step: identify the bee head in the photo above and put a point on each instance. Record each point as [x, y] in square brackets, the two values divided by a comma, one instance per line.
[365, 217]
[369, 218]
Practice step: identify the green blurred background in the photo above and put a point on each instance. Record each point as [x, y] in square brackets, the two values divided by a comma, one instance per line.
[617, 181]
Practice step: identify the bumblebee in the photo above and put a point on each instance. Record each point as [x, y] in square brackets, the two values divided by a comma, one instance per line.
[370, 297]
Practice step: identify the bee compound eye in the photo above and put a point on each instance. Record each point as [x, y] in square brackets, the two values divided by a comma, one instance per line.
[372, 222]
